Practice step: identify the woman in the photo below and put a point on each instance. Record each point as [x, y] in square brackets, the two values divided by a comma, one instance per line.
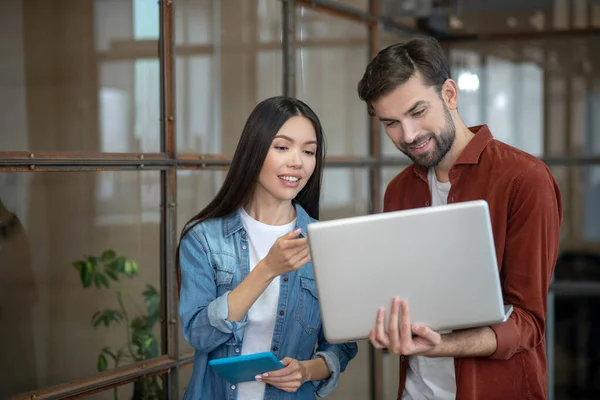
[247, 283]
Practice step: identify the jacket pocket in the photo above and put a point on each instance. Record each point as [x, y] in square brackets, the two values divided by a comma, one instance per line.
[308, 314]
[224, 271]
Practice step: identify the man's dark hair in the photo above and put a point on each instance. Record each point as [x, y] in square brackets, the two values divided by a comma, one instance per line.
[397, 63]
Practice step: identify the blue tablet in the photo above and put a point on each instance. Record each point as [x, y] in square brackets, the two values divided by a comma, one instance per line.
[245, 368]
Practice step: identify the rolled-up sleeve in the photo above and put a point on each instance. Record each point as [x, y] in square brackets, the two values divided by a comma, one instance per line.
[203, 315]
[337, 357]
[531, 250]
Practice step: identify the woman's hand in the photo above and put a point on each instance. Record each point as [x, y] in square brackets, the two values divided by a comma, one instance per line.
[287, 254]
[290, 378]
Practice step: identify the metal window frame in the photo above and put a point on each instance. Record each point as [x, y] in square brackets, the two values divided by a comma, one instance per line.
[168, 162]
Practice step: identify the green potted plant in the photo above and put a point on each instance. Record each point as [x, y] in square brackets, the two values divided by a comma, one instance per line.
[139, 343]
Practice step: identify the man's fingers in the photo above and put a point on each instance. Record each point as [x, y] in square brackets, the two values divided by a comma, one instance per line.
[405, 326]
[380, 334]
[373, 339]
[393, 326]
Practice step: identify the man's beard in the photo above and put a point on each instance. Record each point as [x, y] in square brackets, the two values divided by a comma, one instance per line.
[440, 147]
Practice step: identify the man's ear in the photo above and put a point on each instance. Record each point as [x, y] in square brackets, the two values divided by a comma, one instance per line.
[450, 94]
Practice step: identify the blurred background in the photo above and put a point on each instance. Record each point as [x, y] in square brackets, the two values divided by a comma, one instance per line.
[118, 119]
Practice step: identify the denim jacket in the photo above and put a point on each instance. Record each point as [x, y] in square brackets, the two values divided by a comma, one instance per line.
[214, 260]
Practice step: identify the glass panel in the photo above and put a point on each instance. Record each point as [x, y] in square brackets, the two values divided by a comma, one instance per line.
[391, 375]
[362, 5]
[580, 236]
[505, 95]
[269, 73]
[185, 374]
[467, 72]
[85, 79]
[591, 143]
[68, 236]
[270, 24]
[387, 174]
[355, 381]
[344, 193]
[576, 350]
[331, 58]
[194, 23]
[195, 189]
[150, 388]
[389, 38]
[222, 76]
[514, 98]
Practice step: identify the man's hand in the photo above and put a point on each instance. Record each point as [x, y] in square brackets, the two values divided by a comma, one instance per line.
[289, 378]
[398, 337]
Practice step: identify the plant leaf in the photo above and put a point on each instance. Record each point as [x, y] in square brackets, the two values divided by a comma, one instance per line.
[97, 281]
[152, 299]
[139, 324]
[111, 273]
[93, 261]
[79, 265]
[103, 279]
[106, 317]
[102, 363]
[106, 350]
[152, 346]
[108, 255]
[95, 315]
[86, 274]
[119, 264]
[131, 268]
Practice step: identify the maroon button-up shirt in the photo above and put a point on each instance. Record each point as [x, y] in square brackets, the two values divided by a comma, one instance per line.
[526, 212]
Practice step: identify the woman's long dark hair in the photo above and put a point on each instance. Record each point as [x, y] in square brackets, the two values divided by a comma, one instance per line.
[262, 125]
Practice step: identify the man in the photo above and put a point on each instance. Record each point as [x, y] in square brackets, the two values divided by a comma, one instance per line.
[408, 87]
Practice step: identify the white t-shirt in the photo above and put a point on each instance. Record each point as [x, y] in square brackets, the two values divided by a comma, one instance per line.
[431, 378]
[258, 334]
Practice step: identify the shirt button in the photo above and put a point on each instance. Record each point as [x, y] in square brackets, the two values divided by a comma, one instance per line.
[232, 387]
[243, 233]
[275, 348]
[244, 247]
[281, 312]
[237, 350]
[285, 279]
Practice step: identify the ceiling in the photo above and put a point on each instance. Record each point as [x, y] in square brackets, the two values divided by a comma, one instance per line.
[449, 19]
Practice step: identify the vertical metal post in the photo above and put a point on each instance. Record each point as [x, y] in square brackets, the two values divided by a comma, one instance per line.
[375, 356]
[289, 47]
[550, 322]
[550, 342]
[168, 221]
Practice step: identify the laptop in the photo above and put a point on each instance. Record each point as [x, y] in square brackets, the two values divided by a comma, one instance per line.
[440, 259]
